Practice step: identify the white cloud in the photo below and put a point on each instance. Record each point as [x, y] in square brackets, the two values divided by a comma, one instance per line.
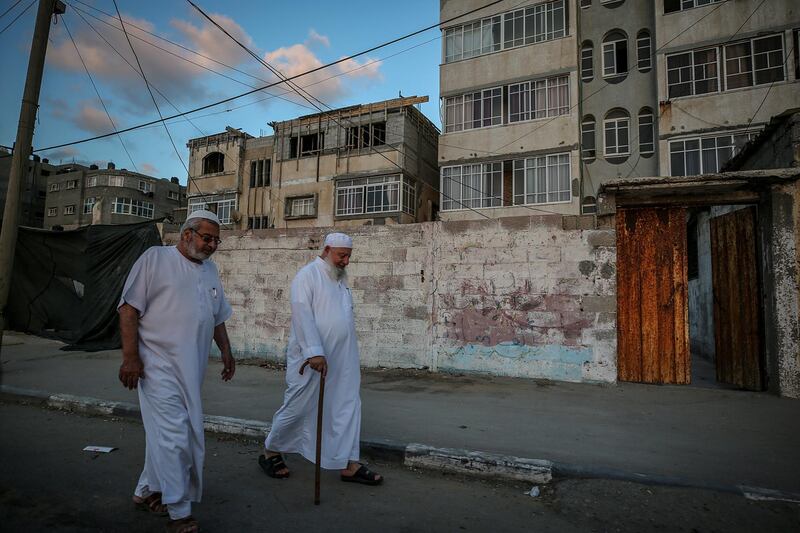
[148, 168]
[92, 119]
[316, 38]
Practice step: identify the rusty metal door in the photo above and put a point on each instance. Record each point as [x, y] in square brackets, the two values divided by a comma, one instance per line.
[652, 298]
[737, 309]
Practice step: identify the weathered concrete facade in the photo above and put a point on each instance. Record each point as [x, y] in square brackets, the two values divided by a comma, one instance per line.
[364, 164]
[524, 296]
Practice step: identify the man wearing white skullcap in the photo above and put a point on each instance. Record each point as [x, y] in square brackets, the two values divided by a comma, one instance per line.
[323, 333]
[171, 307]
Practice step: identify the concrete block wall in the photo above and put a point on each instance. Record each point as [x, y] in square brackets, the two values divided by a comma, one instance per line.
[521, 296]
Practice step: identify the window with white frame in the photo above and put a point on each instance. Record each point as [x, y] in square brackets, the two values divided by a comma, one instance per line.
[53, 187]
[474, 110]
[222, 204]
[742, 64]
[381, 194]
[646, 132]
[88, 205]
[145, 186]
[91, 181]
[542, 179]
[616, 128]
[705, 155]
[301, 206]
[127, 206]
[69, 209]
[671, 6]
[587, 61]
[173, 195]
[533, 24]
[471, 186]
[52, 211]
[71, 184]
[588, 136]
[644, 59]
[615, 54]
[116, 181]
[538, 99]
[470, 40]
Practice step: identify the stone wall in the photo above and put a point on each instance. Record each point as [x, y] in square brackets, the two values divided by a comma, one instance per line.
[525, 296]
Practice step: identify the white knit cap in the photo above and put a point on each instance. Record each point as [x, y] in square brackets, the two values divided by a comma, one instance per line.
[338, 240]
[205, 214]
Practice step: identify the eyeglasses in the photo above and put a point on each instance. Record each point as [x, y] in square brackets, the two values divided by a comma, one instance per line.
[208, 239]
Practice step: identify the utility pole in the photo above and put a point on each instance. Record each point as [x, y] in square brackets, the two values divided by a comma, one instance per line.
[22, 149]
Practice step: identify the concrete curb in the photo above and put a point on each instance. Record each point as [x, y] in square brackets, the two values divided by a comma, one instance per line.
[464, 462]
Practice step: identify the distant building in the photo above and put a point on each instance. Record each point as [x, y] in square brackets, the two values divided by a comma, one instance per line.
[78, 195]
[34, 189]
[365, 164]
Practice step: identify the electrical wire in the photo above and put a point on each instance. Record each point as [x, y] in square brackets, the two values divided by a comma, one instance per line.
[293, 77]
[150, 92]
[17, 17]
[97, 92]
[7, 11]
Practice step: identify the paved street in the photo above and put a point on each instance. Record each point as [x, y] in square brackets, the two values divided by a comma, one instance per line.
[48, 484]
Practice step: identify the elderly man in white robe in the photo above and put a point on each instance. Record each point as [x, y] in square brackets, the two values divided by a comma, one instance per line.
[172, 305]
[322, 333]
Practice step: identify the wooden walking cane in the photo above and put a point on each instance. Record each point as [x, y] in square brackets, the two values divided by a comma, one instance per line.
[319, 432]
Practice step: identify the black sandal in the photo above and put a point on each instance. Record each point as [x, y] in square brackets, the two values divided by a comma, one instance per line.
[271, 465]
[363, 475]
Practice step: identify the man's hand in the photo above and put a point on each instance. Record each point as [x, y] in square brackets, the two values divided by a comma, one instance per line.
[320, 364]
[130, 372]
[228, 366]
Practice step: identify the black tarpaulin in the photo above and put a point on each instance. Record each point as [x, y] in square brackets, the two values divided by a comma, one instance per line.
[66, 284]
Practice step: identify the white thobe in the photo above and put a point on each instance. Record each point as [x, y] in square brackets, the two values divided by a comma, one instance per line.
[322, 324]
[179, 303]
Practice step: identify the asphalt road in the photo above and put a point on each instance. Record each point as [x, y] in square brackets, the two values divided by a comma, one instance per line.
[47, 483]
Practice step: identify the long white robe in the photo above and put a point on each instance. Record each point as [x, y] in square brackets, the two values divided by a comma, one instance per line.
[179, 303]
[322, 324]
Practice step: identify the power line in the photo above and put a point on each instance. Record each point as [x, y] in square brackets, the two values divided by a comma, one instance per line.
[308, 97]
[310, 71]
[15, 4]
[150, 92]
[18, 16]
[199, 65]
[69, 33]
[305, 95]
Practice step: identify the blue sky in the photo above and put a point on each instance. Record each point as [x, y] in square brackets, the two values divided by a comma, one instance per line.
[293, 36]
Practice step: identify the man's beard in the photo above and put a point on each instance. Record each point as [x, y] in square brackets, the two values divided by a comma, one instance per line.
[336, 273]
[194, 253]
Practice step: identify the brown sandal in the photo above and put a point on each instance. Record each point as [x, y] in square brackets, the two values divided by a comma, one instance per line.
[151, 504]
[183, 525]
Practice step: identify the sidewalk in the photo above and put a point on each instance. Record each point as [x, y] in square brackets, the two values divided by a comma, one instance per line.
[694, 436]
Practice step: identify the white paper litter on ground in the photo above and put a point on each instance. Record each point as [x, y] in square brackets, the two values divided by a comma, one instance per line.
[534, 492]
[99, 449]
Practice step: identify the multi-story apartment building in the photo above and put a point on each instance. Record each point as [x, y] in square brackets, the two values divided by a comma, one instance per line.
[509, 84]
[544, 101]
[725, 68]
[78, 195]
[33, 189]
[365, 164]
